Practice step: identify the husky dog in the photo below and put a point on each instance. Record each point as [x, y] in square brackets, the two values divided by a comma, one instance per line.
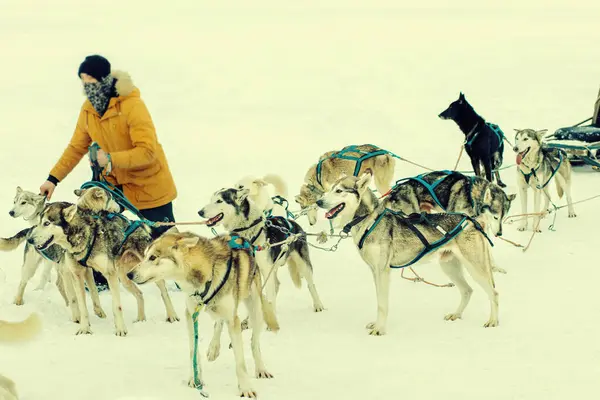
[28, 205]
[385, 239]
[239, 215]
[259, 192]
[331, 165]
[219, 277]
[483, 141]
[451, 191]
[16, 332]
[536, 167]
[102, 241]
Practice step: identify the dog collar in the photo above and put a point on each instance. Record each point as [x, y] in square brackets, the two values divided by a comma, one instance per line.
[252, 225]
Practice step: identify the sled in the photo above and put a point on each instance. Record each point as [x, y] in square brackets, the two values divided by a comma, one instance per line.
[578, 151]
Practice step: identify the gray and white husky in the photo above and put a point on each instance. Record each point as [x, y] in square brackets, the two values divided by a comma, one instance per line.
[451, 191]
[29, 205]
[536, 167]
[332, 164]
[239, 215]
[385, 239]
[101, 241]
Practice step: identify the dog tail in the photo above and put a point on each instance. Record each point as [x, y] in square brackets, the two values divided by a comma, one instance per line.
[278, 184]
[267, 308]
[11, 243]
[20, 331]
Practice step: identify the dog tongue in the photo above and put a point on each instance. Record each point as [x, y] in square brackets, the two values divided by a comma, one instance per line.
[519, 159]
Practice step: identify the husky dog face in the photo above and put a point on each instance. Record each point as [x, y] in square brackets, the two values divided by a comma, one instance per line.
[344, 198]
[96, 199]
[308, 198]
[455, 108]
[165, 258]
[53, 222]
[527, 141]
[226, 205]
[26, 204]
[496, 204]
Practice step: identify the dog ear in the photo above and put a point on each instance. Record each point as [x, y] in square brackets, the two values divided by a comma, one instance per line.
[70, 212]
[511, 197]
[540, 134]
[172, 230]
[363, 182]
[78, 192]
[461, 98]
[98, 194]
[242, 195]
[188, 241]
[19, 190]
[487, 196]
[131, 256]
[260, 182]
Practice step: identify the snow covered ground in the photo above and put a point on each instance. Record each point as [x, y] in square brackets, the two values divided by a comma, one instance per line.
[267, 87]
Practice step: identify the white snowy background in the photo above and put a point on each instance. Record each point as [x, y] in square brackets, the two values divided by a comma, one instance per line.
[266, 87]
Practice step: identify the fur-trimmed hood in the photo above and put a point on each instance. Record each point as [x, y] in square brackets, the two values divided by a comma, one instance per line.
[124, 87]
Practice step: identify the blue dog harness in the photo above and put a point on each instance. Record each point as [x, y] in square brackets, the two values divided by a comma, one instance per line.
[534, 170]
[410, 220]
[433, 185]
[495, 128]
[364, 155]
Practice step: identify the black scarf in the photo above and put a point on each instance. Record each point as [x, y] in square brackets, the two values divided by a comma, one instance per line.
[99, 93]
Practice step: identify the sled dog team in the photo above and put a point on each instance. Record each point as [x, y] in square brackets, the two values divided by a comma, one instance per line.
[442, 214]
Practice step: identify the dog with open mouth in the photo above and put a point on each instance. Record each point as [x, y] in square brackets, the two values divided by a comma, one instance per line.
[102, 241]
[536, 168]
[386, 239]
[238, 214]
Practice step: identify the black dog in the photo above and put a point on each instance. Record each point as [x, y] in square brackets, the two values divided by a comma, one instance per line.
[483, 141]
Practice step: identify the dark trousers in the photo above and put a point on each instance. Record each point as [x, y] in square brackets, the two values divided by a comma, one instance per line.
[157, 214]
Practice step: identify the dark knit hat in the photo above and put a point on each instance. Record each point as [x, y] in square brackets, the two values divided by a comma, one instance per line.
[95, 66]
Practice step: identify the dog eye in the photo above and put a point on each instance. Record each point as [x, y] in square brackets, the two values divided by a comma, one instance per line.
[23, 203]
[338, 191]
[152, 257]
[219, 201]
[47, 223]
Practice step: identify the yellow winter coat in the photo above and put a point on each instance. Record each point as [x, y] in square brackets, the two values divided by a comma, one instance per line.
[127, 133]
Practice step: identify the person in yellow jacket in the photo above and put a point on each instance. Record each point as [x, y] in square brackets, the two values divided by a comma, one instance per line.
[116, 118]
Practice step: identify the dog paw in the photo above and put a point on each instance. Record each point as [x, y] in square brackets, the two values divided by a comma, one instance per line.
[18, 301]
[214, 349]
[248, 392]
[121, 332]
[452, 317]
[377, 332]
[319, 308]
[491, 323]
[572, 215]
[263, 374]
[172, 318]
[84, 331]
[522, 228]
[99, 312]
